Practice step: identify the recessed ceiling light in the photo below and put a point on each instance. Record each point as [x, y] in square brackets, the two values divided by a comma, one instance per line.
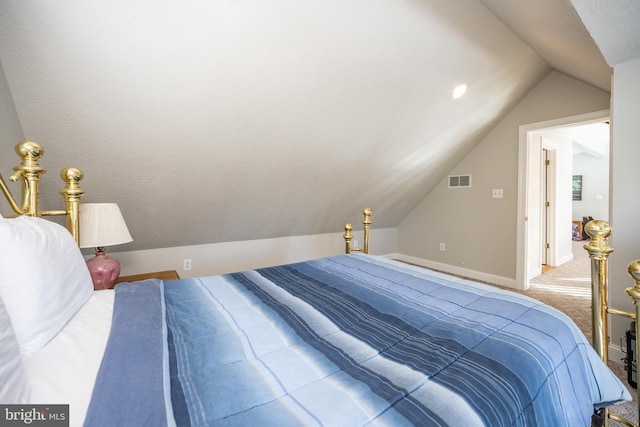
[459, 91]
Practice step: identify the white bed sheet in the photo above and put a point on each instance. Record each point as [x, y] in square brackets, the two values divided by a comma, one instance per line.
[64, 371]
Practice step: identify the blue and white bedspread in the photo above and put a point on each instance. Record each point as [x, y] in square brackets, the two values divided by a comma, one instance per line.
[351, 340]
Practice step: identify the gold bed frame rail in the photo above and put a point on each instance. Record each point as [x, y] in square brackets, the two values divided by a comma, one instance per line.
[348, 236]
[30, 171]
[599, 251]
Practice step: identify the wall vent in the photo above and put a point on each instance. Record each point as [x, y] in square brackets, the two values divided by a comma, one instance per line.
[459, 181]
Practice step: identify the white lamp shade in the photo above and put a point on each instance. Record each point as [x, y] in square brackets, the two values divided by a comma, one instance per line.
[102, 224]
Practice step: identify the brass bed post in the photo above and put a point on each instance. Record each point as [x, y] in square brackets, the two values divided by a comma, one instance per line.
[599, 252]
[30, 171]
[367, 228]
[348, 236]
[72, 194]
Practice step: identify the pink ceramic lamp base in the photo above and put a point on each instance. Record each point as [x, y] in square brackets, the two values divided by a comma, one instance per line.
[104, 270]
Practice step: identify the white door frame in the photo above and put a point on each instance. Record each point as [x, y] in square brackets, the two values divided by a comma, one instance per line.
[523, 211]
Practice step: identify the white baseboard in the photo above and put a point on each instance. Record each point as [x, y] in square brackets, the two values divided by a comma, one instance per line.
[564, 259]
[458, 271]
[535, 272]
[616, 354]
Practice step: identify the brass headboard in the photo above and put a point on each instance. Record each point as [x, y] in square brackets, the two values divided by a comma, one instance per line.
[366, 221]
[30, 171]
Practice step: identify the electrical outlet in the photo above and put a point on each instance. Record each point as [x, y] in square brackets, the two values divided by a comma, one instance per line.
[442, 247]
[186, 264]
[355, 244]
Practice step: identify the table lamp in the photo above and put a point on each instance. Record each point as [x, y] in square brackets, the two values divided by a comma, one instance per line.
[102, 225]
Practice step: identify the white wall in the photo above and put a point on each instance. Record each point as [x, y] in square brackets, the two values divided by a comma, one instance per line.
[558, 143]
[220, 258]
[595, 187]
[561, 195]
[558, 225]
[563, 250]
[10, 134]
[625, 176]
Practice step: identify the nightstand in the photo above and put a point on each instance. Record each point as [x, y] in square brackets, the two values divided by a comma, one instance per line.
[162, 275]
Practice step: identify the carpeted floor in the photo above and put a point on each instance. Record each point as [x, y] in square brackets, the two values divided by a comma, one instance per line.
[568, 288]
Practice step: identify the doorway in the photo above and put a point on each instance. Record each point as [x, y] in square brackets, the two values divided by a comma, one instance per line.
[537, 223]
[545, 234]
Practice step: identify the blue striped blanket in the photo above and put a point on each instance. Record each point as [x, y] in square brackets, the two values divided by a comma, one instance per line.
[351, 340]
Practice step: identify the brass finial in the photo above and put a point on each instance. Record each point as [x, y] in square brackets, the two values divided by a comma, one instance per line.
[366, 212]
[29, 150]
[347, 237]
[634, 271]
[634, 292]
[71, 175]
[598, 231]
[347, 230]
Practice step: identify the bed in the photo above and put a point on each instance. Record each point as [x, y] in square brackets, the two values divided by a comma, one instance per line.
[348, 340]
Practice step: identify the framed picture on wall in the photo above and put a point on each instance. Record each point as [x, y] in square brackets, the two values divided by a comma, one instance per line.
[577, 187]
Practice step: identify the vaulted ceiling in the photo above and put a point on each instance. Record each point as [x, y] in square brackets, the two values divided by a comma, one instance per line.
[211, 121]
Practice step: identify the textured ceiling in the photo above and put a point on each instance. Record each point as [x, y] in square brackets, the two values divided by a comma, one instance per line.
[233, 120]
[614, 25]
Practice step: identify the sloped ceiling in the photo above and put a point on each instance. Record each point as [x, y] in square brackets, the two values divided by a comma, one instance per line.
[555, 31]
[211, 121]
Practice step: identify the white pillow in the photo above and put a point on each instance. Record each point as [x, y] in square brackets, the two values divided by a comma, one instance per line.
[14, 387]
[44, 279]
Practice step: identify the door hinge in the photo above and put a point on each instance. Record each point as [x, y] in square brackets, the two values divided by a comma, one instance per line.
[546, 245]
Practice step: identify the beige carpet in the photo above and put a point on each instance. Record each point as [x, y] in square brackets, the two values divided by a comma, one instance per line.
[568, 288]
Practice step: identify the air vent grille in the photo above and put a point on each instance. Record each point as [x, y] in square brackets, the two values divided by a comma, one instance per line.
[459, 181]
